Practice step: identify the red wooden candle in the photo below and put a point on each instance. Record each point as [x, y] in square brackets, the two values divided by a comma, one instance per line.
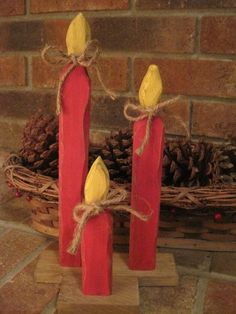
[74, 125]
[146, 178]
[96, 248]
[145, 196]
[73, 155]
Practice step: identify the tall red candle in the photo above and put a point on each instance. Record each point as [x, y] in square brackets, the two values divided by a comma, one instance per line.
[74, 124]
[146, 177]
[73, 155]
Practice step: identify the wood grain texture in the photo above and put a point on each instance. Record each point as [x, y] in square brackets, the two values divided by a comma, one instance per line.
[48, 270]
[124, 298]
[193, 244]
[74, 122]
[145, 194]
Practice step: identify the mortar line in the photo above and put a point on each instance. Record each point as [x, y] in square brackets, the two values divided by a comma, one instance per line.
[197, 35]
[133, 6]
[50, 308]
[27, 6]
[200, 296]
[122, 13]
[20, 227]
[29, 72]
[210, 99]
[132, 83]
[21, 265]
[135, 54]
[190, 117]
[204, 274]
[202, 286]
[186, 12]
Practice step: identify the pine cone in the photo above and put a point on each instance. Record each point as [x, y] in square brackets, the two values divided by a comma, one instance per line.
[117, 155]
[40, 144]
[227, 163]
[187, 163]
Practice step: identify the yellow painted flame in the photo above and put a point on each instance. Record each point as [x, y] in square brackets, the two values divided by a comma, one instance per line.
[151, 87]
[77, 35]
[97, 182]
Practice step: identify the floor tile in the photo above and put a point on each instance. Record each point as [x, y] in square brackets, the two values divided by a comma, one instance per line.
[169, 300]
[220, 298]
[24, 296]
[219, 264]
[14, 247]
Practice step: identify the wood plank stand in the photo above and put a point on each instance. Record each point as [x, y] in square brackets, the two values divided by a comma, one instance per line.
[125, 292]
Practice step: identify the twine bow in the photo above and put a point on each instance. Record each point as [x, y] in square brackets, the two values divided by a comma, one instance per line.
[53, 56]
[143, 113]
[114, 198]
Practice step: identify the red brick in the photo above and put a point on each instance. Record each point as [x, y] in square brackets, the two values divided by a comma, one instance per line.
[142, 34]
[16, 246]
[44, 6]
[24, 295]
[145, 34]
[176, 118]
[20, 36]
[214, 119]
[32, 35]
[114, 72]
[192, 77]
[54, 33]
[12, 7]
[13, 71]
[10, 139]
[185, 4]
[22, 105]
[218, 34]
[220, 298]
[44, 75]
[107, 113]
[15, 108]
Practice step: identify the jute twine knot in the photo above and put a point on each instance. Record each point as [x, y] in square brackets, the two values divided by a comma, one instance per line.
[83, 212]
[134, 113]
[53, 56]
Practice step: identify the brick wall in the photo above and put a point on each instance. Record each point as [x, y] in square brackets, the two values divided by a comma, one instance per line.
[192, 41]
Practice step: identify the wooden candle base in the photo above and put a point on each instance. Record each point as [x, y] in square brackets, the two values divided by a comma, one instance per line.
[124, 298]
[48, 269]
[125, 286]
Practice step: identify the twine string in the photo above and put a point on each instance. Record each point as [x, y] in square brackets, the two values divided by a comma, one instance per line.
[53, 56]
[83, 212]
[136, 113]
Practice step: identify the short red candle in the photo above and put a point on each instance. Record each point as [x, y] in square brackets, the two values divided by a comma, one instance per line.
[96, 250]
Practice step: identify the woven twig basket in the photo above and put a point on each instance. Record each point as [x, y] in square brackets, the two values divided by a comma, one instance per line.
[192, 204]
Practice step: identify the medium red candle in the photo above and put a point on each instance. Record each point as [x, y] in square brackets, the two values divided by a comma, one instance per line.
[74, 124]
[146, 178]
